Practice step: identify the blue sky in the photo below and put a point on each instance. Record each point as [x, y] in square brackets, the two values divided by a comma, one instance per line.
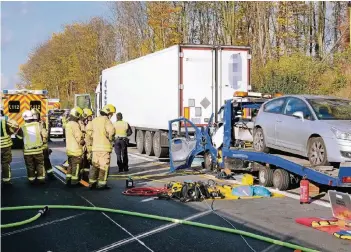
[26, 24]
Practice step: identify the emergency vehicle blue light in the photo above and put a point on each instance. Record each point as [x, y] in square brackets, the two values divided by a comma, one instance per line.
[5, 91]
[45, 92]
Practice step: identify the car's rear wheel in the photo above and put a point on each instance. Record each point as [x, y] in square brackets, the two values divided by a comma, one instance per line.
[317, 152]
[259, 142]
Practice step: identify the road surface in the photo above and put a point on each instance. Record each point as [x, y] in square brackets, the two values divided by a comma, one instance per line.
[70, 230]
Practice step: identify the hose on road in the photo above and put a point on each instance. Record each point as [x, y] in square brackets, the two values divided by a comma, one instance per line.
[20, 223]
[149, 216]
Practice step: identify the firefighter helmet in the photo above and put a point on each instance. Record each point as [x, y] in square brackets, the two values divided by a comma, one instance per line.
[27, 115]
[109, 108]
[35, 113]
[87, 112]
[76, 112]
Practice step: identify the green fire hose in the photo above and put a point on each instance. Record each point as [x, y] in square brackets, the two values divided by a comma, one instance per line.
[150, 216]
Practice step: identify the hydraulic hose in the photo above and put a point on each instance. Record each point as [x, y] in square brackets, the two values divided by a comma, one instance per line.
[20, 223]
[156, 217]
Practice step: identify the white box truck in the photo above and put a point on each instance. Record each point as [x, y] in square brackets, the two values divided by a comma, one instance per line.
[190, 81]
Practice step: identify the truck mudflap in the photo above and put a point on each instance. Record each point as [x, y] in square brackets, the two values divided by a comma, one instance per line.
[183, 150]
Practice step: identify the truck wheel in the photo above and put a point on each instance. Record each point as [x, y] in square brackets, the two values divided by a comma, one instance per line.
[140, 141]
[281, 179]
[259, 142]
[148, 143]
[158, 150]
[265, 176]
[317, 152]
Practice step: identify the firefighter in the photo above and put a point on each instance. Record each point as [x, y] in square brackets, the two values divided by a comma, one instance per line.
[64, 122]
[46, 150]
[86, 162]
[74, 146]
[122, 131]
[102, 132]
[34, 136]
[7, 128]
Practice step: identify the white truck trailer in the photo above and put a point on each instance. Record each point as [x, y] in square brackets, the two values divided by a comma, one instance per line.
[190, 81]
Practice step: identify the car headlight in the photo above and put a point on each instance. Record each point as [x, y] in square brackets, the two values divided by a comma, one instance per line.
[341, 134]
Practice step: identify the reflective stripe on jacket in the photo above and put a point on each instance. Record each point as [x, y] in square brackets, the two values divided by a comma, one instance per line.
[102, 133]
[32, 139]
[73, 137]
[121, 128]
[5, 139]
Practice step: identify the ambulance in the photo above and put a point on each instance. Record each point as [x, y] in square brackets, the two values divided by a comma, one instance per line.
[15, 102]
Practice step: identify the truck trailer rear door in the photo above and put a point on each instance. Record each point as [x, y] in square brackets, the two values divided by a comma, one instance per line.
[197, 101]
[233, 71]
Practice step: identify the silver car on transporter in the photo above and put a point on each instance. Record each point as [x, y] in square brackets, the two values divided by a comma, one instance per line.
[317, 127]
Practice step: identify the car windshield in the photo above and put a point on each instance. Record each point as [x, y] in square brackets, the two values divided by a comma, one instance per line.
[331, 109]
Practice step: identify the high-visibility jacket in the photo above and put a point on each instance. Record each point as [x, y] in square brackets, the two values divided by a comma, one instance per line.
[5, 133]
[102, 133]
[121, 128]
[74, 136]
[64, 122]
[32, 134]
[45, 135]
[88, 138]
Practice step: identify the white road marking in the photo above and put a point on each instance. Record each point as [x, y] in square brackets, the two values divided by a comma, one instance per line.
[19, 177]
[149, 199]
[287, 194]
[151, 232]
[41, 225]
[17, 169]
[125, 230]
[142, 172]
[145, 158]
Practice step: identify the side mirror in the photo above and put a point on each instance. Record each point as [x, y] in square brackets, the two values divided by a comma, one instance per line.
[298, 115]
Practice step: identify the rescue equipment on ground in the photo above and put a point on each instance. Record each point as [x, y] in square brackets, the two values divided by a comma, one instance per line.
[144, 191]
[247, 179]
[129, 182]
[251, 191]
[304, 191]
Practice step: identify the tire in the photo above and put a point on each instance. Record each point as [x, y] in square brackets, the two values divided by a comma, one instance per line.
[140, 141]
[281, 179]
[265, 176]
[317, 152]
[259, 141]
[159, 151]
[149, 150]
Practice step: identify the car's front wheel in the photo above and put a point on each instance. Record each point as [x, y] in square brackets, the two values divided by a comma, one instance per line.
[317, 152]
[259, 142]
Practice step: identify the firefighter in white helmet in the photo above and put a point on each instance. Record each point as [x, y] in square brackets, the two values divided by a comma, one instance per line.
[102, 133]
[46, 150]
[74, 146]
[34, 136]
[7, 128]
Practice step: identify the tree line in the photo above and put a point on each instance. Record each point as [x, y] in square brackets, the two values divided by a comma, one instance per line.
[297, 47]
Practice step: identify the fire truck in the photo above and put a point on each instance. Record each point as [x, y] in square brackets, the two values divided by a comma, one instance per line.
[15, 102]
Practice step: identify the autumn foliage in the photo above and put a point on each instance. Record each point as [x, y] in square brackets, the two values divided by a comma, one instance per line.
[297, 47]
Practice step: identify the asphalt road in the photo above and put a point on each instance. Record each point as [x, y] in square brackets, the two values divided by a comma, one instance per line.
[71, 230]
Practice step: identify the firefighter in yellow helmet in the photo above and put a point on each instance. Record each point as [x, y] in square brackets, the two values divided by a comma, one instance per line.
[34, 136]
[87, 117]
[102, 133]
[74, 146]
[7, 128]
[46, 150]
